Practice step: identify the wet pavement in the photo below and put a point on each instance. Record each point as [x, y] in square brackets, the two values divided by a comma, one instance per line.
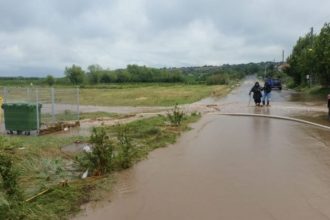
[230, 168]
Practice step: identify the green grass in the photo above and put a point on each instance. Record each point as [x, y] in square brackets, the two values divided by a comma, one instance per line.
[156, 132]
[149, 95]
[42, 165]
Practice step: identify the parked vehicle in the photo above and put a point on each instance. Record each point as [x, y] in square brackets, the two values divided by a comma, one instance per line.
[276, 83]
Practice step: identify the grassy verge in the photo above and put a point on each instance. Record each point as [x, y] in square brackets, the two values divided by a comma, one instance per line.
[43, 167]
[128, 94]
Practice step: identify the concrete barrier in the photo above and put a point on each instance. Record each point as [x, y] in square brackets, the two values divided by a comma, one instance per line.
[276, 117]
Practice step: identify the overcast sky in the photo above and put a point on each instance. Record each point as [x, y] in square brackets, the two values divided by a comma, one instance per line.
[40, 37]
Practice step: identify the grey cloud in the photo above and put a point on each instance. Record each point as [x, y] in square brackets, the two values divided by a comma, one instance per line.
[42, 37]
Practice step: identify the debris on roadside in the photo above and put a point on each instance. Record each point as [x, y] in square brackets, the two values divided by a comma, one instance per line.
[61, 126]
[84, 175]
[87, 149]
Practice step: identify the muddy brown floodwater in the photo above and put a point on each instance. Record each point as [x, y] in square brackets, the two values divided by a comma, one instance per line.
[228, 167]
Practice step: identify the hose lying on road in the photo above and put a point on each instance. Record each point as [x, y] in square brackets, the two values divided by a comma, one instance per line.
[276, 117]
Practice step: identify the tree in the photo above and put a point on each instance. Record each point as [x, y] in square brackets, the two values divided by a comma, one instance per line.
[302, 59]
[75, 74]
[123, 76]
[322, 53]
[105, 78]
[50, 80]
[252, 68]
[94, 73]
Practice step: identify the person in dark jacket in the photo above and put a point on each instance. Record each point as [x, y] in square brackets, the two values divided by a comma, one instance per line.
[256, 89]
[267, 92]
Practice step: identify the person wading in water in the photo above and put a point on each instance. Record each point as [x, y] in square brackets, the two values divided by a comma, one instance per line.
[267, 92]
[256, 89]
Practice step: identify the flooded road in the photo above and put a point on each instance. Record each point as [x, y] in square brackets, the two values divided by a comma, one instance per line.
[284, 102]
[229, 168]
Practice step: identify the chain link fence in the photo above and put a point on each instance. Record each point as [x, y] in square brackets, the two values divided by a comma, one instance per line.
[57, 104]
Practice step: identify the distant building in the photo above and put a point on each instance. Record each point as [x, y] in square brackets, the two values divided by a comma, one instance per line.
[281, 67]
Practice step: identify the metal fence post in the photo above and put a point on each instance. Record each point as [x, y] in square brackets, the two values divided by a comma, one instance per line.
[4, 94]
[28, 94]
[78, 103]
[37, 110]
[4, 100]
[53, 105]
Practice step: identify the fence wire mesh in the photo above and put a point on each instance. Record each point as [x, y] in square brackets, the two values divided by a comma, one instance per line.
[57, 104]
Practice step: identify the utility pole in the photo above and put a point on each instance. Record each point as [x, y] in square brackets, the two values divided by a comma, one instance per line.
[312, 33]
[282, 56]
[311, 49]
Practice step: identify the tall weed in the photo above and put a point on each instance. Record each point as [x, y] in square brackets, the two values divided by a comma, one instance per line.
[126, 151]
[176, 116]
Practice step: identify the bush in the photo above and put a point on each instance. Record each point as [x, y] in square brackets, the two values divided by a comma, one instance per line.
[11, 202]
[99, 159]
[176, 116]
[218, 79]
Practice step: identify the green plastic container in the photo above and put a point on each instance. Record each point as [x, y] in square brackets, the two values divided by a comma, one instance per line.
[21, 117]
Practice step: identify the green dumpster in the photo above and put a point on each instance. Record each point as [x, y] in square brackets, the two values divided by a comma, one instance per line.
[21, 117]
